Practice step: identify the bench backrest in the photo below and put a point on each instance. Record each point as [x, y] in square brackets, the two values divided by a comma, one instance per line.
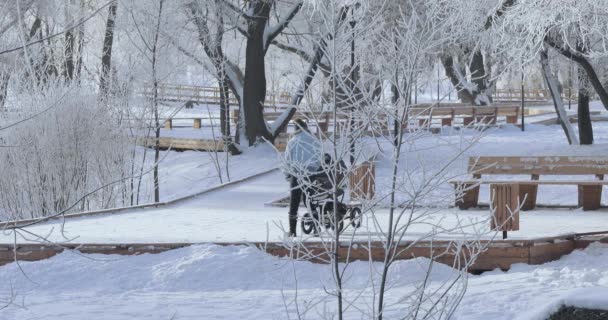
[559, 165]
[464, 111]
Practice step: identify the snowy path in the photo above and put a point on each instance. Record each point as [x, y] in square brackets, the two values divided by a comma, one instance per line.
[238, 214]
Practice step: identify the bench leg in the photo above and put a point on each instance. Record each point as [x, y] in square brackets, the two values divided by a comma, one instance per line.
[446, 122]
[322, 126]
[470, 196]
[512, 119]
[504, 204]
[466, 121]
[589, 197]
[528, 192]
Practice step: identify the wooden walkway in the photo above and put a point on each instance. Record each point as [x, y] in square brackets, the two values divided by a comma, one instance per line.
[499, 254]
[198, 144]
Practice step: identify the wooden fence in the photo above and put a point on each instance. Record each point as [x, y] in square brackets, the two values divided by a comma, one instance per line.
[206, 95]
[531, 95]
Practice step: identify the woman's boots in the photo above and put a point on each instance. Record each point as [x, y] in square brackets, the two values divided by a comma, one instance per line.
[293, 222]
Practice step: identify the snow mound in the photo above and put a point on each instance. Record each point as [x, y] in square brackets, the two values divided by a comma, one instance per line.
[196, 268]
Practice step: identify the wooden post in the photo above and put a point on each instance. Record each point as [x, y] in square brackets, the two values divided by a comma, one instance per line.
[528, 192]
[590, 196]
[169, 124]
[361, 181]
[466, 121]
[421, 122]
[504, 205]
[197, 123]
[470, 196]
[512, 119]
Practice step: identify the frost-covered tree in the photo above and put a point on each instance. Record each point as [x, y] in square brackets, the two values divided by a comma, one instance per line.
[255, 23]
[575, 30]
[400, 41]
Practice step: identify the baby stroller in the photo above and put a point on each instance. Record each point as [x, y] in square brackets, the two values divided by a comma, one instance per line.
[319, 201]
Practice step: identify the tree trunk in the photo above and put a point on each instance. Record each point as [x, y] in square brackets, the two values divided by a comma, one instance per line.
[4, 78]
[155, 105]
[394, 101]
[106, 53]
[475, 92]
[585, 128]
[254, 89]
[80, 46]
[479, 77]
[557, 99]
[224, 105]
[68, 64]
[458, 80]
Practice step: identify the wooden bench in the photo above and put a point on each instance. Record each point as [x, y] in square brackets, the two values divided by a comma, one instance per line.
[589, 190]
[447, 115]
[450, 115]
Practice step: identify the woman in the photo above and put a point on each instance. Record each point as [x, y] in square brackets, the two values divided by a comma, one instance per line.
[303, 158]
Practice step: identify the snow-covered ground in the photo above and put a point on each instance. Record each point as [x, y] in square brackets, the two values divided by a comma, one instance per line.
[239, 214]
[239, 282]
[210, 281]
[189, 172]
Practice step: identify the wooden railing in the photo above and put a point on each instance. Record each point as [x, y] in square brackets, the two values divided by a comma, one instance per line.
[531, 95]
[206, 95]
[422, 116]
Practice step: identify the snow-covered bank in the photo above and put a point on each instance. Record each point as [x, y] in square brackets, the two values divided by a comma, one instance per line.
[237, 282]
[189, 172]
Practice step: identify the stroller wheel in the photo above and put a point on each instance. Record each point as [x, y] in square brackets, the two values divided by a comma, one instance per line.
[308, 223]
[329, 218]
[355, 217]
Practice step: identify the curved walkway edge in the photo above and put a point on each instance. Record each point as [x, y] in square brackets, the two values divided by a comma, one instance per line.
[19, 223]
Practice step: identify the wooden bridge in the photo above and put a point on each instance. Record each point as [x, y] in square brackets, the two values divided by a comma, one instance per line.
[206, 95]
[422, 117]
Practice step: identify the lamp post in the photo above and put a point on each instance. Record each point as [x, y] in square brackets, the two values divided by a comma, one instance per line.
[438, 76]
[523, 114]
[570, 86]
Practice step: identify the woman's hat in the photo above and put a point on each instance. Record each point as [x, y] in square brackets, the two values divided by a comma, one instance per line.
[301, 125]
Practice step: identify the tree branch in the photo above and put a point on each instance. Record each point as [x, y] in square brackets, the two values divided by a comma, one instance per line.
[272, 32]
[81, 22]
[585, 64]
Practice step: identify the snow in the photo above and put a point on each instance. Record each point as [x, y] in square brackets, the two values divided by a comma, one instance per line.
[238, 214]
[593, 297]
[190, 172]
[210, 281]
[240, 282]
